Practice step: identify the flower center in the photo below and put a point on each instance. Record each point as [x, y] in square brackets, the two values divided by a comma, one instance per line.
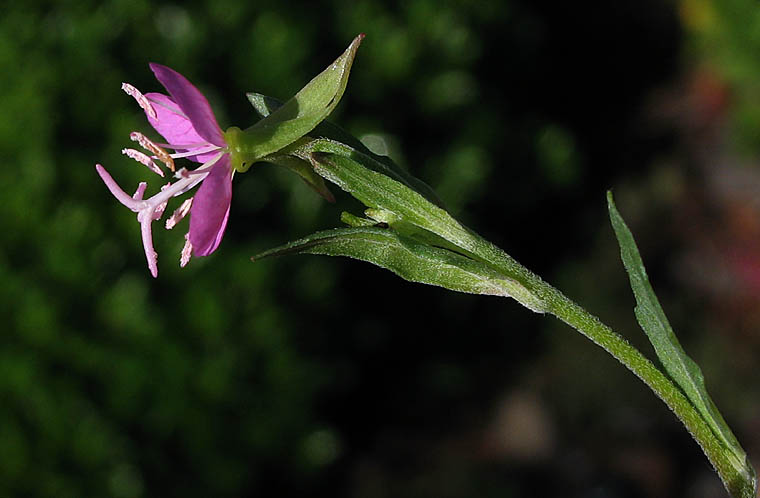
[240, 159]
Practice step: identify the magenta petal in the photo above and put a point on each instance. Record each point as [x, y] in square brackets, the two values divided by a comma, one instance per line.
[191, 101]
[174, 126]
[211, 208]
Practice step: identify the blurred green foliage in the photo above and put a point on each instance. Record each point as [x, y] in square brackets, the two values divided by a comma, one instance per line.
[299, 376]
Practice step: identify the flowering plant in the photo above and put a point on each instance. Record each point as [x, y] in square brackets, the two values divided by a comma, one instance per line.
[185, 119]
[405, 229]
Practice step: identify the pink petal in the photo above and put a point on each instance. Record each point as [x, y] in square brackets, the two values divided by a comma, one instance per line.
[174, 126]
[192, 102]
[211, 208]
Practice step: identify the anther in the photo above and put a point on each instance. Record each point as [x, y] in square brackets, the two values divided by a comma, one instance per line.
[158, 210]
[179, 213]
[151, 146]
[187, 251]
[143, 159]
[181, 173]
[141, 99]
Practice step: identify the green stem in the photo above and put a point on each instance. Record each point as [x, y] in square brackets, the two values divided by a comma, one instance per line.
[590, 326]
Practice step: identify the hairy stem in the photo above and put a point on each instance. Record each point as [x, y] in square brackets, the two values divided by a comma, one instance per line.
[732, 473]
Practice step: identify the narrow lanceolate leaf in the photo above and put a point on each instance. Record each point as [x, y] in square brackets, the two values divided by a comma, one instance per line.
[380, 187]
[681, 368]
[298, 116]
[410, 260]
[381, 190]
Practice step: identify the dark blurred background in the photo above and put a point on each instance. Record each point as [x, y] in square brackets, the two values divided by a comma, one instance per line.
[317, 376]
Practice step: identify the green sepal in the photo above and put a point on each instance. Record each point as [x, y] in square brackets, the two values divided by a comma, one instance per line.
[297, 117]
[408, 259]
[265, 105]
[679, 366]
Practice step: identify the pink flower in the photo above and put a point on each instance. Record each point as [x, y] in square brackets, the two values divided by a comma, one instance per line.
[187, 123]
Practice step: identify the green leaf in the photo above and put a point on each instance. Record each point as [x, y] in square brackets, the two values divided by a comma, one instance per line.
[297, 117]
[681, 368]
[380, 187]
[410, 260]
[386, 193]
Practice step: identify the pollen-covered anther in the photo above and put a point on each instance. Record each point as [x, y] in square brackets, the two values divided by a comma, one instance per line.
[179, 214]
[182, 173]
[143, 159]
[187, 251]
[141, 99]
[151, 146]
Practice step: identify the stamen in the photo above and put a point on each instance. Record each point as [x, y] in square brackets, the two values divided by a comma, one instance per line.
[143, 159]
[141, 99]
[148, 144]
[189, 184]
[161, 207]
[187, 251]
[179, 214]
[183, 146]
[194, 152]
[187, 173]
